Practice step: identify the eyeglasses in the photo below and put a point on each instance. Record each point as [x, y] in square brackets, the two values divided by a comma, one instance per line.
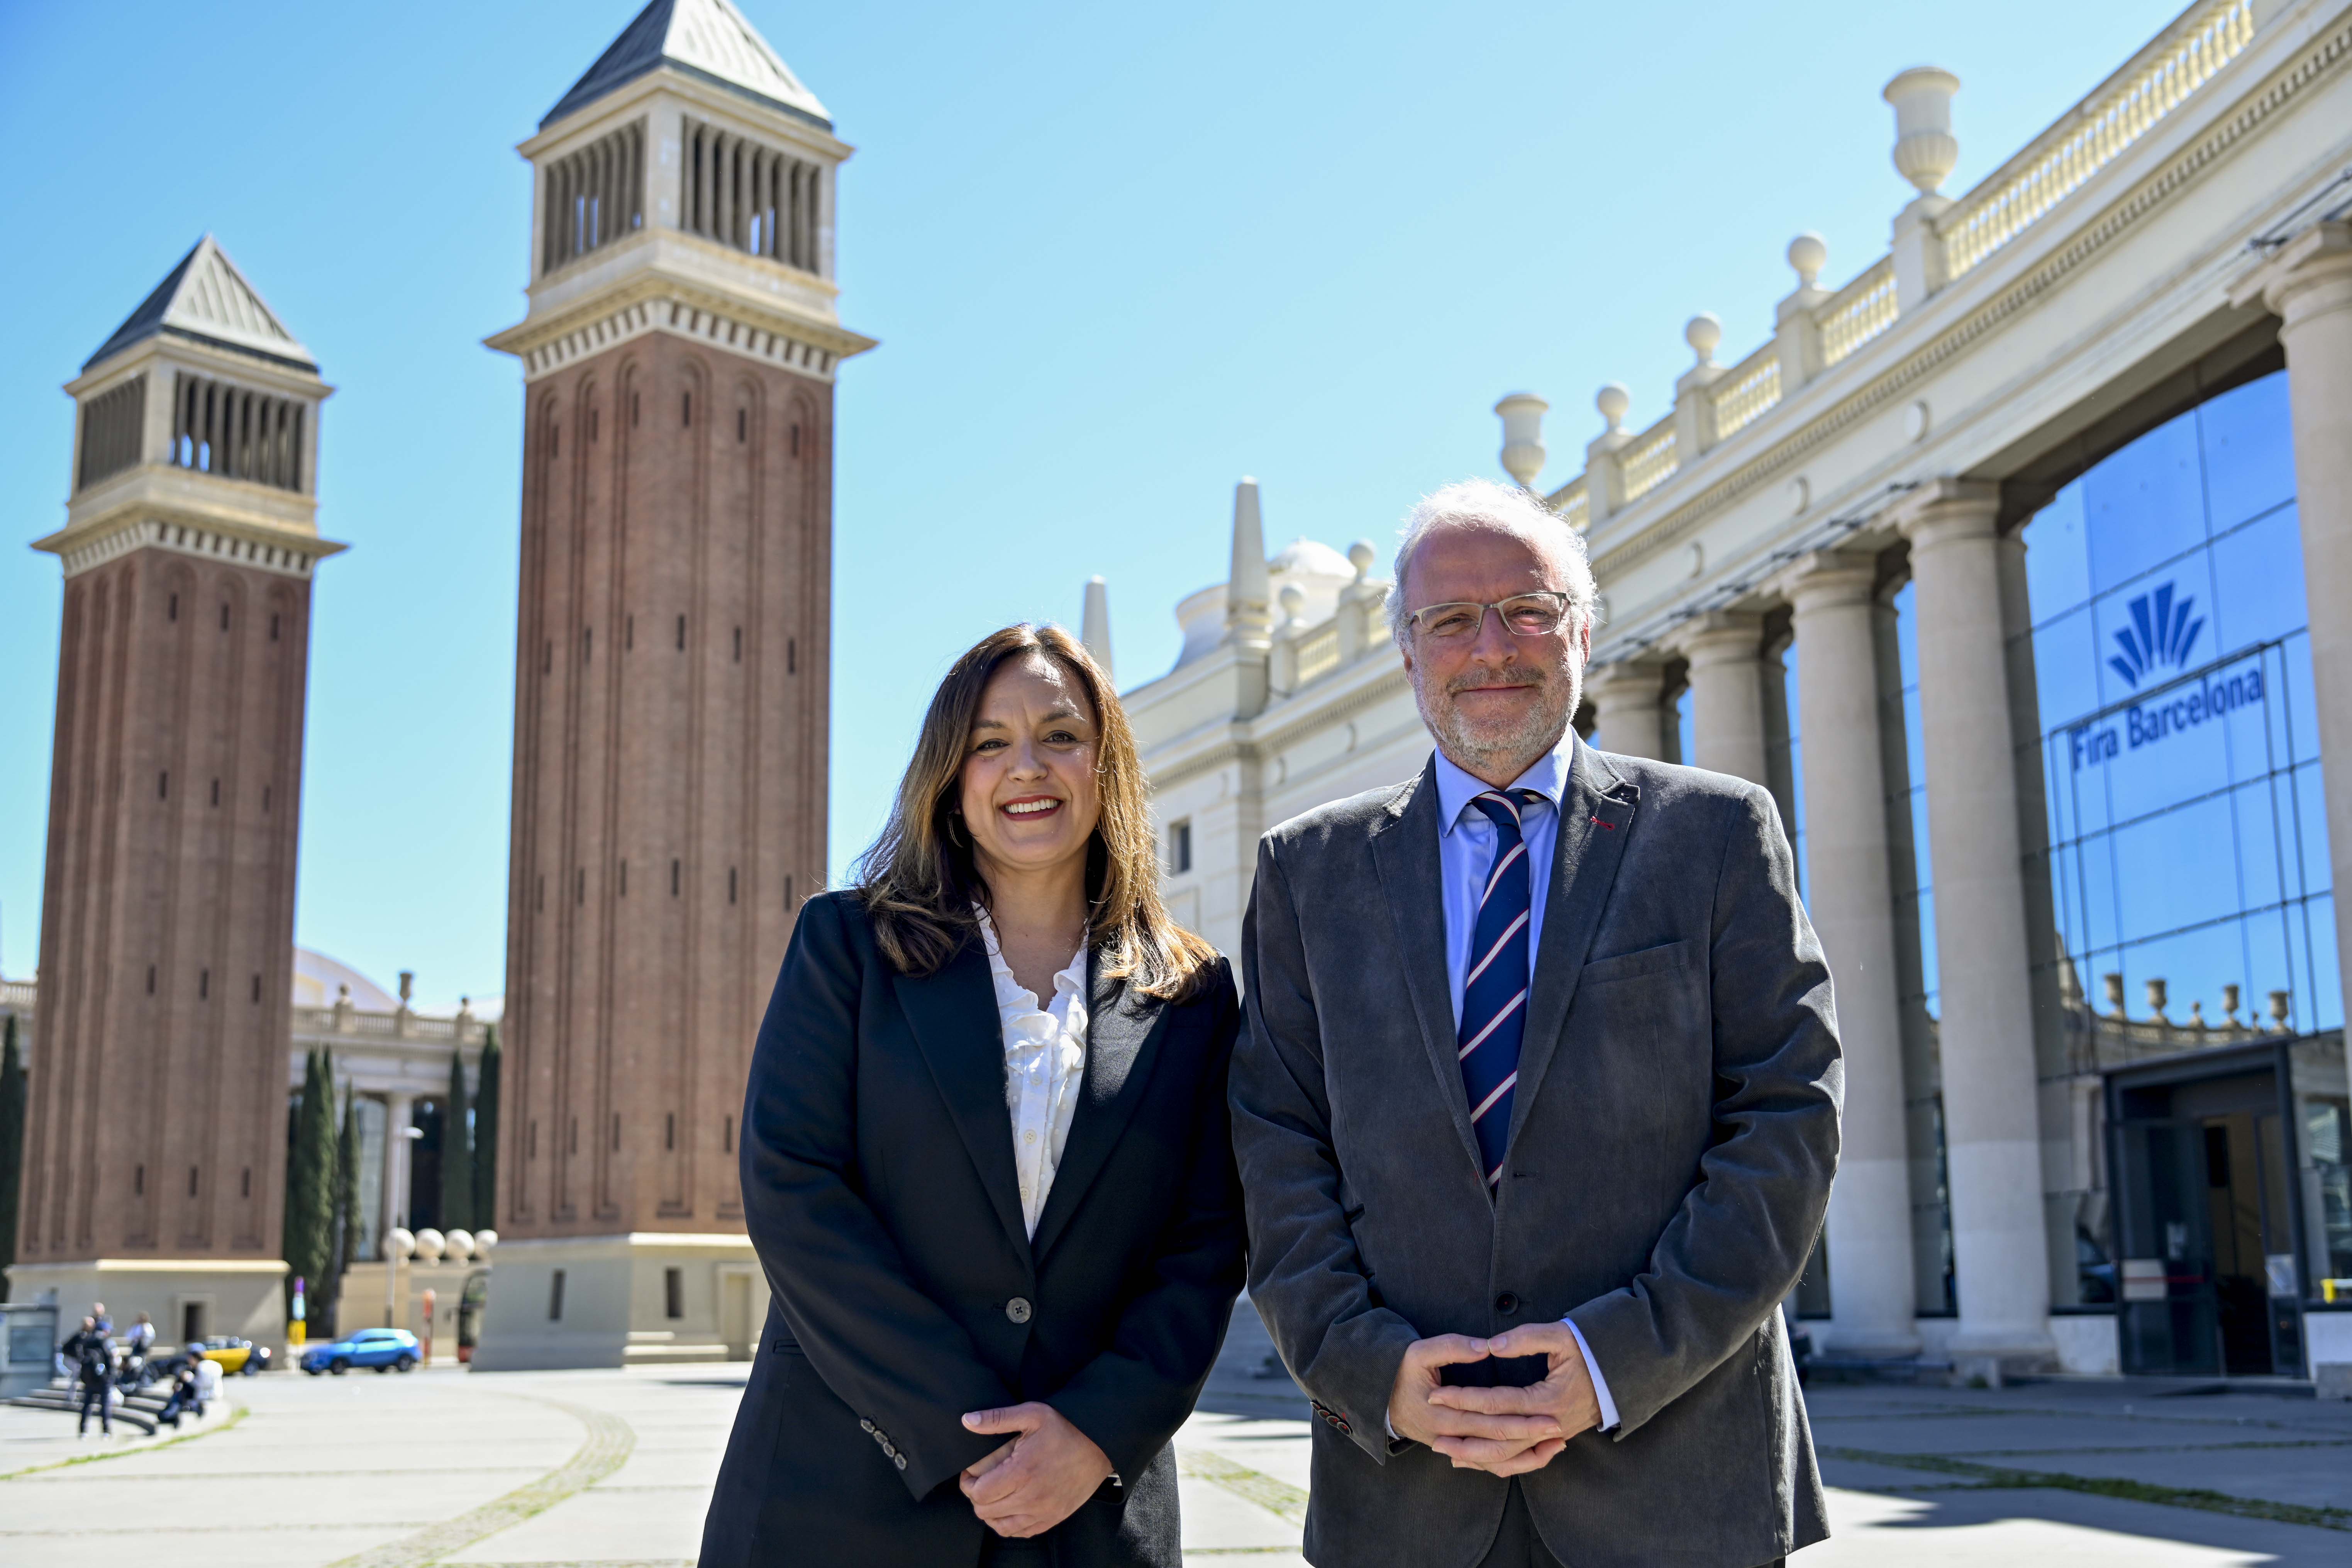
[1522, 615]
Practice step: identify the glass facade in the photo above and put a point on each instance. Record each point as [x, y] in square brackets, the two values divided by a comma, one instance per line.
[2188, 855]
[2187, 987]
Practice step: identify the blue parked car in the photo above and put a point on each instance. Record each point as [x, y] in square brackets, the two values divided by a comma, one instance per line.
[386, 1349]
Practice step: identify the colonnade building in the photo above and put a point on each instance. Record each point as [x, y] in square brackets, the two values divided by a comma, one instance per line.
[2006, 564]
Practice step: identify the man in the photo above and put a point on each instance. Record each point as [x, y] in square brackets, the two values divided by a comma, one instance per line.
[1536, 1111]
[91, 1355]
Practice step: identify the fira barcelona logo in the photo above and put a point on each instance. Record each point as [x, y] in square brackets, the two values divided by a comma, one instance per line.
[2161, 633]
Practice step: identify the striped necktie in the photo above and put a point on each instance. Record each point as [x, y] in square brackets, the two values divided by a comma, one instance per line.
[1494, 990]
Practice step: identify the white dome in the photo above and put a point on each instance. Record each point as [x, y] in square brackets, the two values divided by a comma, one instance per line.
[1308, 558]
[1202, 615]
[316, 979]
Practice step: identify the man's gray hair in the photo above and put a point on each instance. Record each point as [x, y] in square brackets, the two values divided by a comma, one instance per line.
[1484, 501]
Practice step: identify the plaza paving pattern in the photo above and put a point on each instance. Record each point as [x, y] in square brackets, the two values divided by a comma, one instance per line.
[614, 1469]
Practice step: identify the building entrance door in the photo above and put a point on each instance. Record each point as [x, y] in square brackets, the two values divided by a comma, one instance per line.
[735, 1324]
[2208, 1277]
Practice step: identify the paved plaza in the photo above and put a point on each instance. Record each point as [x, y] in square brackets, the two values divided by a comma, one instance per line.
[614, 1469]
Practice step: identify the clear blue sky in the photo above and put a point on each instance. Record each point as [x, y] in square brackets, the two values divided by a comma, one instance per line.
[1117, 256]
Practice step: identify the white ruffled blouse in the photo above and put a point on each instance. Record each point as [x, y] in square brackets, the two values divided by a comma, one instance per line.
[1045, 1063]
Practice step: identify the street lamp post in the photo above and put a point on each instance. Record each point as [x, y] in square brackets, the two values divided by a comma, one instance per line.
[397, 1244]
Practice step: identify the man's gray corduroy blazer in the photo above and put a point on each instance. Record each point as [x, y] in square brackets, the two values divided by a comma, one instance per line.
[1674, 1133]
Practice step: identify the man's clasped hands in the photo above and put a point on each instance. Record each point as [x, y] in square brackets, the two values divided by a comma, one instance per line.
[1503, 1431]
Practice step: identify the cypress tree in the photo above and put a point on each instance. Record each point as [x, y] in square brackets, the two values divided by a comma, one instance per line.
[485, 1132]
[12, 1146]
[346, 1226]
[456, 1153]
[310, 1175]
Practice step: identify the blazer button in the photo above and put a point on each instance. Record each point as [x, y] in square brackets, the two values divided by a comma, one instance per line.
[900, 1460]
[866, 1427]
[1506, 1302]
[1018, 1309]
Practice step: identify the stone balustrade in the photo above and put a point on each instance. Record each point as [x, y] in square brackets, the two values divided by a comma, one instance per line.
[1938, 241]
[2126, 107]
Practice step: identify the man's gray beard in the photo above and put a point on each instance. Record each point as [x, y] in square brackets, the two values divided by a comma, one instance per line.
[1537, 732]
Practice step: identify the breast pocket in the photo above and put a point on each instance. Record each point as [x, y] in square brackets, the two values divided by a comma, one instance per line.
[1660, 959]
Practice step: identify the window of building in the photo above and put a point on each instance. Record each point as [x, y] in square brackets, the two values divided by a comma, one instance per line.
[1681, 736]
[2171, 655]
[2185, 894]
[750, 197]
[1784, 751]
[674, 1292]
[593, 196]
[555, 1297]
[111, 424]
[1180, 848]
[239, 434]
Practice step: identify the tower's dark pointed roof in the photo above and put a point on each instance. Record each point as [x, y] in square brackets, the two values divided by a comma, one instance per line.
[705, 38]
[207, 299]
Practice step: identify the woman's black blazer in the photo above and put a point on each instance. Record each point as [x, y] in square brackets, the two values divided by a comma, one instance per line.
[879, 1188]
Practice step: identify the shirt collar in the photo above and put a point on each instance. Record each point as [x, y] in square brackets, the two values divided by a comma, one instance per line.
[1548, 777]
[1071, 982]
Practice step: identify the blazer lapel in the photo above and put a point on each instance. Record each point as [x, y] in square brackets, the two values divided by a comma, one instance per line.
[1123, 1034]
[953, 1011]
[1596, 816]
[1404, 850]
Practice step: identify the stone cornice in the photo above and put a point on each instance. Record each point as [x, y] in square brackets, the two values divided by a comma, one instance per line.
[86, 549]
[653, 303]
[158, 505]
[2318, 58]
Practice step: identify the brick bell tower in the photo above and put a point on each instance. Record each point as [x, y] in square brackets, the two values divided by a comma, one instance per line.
[670, 685]
[155, 1136]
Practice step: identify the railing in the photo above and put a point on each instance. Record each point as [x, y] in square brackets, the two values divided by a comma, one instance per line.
[1858, 313]
[2071, 151]
[1650, 461]
[1752, 386]
[18, 996]
[1319, 651]
[349, 1021]
[1575, 505]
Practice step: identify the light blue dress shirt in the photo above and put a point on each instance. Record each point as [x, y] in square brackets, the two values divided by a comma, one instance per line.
[1465, 855]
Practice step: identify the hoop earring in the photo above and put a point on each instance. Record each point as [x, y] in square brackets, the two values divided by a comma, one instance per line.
[954, 818]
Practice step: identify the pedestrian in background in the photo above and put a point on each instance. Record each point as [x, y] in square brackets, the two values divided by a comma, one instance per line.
[91, 1354]
[187, 1393]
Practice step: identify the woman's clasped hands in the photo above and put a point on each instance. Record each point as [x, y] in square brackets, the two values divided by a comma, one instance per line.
[1038, 1480]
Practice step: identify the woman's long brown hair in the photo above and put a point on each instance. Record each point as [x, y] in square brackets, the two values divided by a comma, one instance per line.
[919, 882]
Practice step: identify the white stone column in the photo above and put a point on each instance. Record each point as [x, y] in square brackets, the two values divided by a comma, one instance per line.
[1726, 680]
[1849, 895]
[1626, 709]
[1991, 1139]
[2309, 285]
[399, 1111]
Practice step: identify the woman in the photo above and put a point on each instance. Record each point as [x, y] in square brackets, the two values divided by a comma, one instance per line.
[986, 1162]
